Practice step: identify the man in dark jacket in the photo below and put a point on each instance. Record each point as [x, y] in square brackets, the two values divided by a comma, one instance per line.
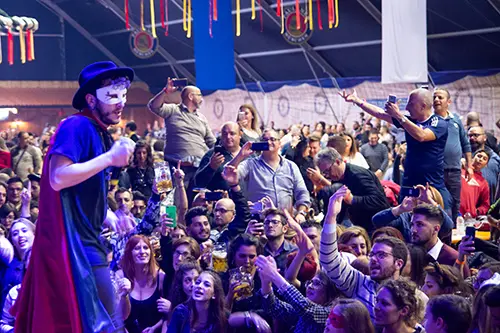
[365, 196]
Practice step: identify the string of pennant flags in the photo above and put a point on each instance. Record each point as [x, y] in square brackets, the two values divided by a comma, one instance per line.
[22, 26]
[332, 6]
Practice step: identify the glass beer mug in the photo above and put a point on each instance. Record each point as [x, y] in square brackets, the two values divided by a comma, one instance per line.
[219, 258]
[244, 288]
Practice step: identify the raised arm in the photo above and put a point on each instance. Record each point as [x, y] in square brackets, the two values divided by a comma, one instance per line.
[166, 95]
[371, 109]
[418, 133]
[180, 195]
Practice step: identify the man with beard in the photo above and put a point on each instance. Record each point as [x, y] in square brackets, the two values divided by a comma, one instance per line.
[67, 286]
[425, 225]
[188, 134]
[457, 145]
[198, 225]
[388, 257]
[209, 174]
[491, 172]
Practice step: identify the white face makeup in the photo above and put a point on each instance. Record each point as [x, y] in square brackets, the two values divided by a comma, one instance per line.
[112, 95]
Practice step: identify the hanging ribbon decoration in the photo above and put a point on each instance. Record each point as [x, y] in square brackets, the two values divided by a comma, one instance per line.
[36, 25]
[29, 36]
[278, 8]
[215, 14]
[282, 18]
[166, 18]
[310, 10]
[297, 14]
[261, 17]
[1, 56]
[142, 16]
[238, 18]
[189, 19]
[210, 16]
[336, 13]
[162, 13]
[127, 19]
[184, 15]
[19, 25]
[153, 23]
[253, 9]
[320, 22]
[330, 14]
[10, 46]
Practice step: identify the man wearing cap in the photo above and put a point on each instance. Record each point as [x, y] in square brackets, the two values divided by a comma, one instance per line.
[67, 287]
[188, 134]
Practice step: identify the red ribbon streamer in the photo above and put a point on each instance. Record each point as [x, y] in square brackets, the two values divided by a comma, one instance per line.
[28, 45]
[210, 13]
[10, 47]
[330, 13]
[162, 13]
[278, 9]
[166, 18]
[297, 14]
[127, 21]
[320, 22]
[215, 14]
[261, 16]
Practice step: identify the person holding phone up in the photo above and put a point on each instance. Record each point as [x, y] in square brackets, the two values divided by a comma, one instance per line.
[272, 175]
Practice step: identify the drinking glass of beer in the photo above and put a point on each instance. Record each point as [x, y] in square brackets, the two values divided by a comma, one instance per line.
[163, 177]
[219, 258]
[244, 280]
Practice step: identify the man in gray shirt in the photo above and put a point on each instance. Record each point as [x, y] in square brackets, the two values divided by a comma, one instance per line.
[273, 176]
[376, 154]
[457, 145]
[188, 134]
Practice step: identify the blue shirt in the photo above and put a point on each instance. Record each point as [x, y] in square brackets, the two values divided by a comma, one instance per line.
[283, 185]
[425, 160]
[457, 143]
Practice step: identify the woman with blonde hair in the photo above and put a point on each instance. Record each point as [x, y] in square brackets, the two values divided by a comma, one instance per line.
[147, 306]
[248, 119]
[349, 316]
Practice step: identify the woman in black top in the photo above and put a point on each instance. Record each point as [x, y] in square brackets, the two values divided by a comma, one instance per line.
[141, 174]
[304, 161]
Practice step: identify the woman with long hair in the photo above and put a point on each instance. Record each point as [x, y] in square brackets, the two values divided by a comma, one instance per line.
[147, 306]
[304, 161]
[442, 279]
[204, 312]
[349, 316]
[141, 173]
[351, 153]
[357, 239]
[396, 307]
[184, 278]
[248, 119]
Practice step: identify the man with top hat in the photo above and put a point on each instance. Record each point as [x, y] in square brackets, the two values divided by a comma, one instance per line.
[67, 287]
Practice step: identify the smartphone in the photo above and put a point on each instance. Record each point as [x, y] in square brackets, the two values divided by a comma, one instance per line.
[409, 192]
[180, 83]
[471, 232]
[170, 212]
[219, 149]
[213, 196]
[257, 207]
[260, 146]
[393, 99]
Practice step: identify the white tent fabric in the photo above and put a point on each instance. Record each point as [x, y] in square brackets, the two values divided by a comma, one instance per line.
[308, 104]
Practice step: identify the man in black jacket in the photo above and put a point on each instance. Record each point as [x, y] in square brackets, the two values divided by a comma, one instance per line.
[366, 195]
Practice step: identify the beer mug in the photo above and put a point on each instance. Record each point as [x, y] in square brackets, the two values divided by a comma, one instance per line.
[219, 258]
[244, 280]
[163, 177]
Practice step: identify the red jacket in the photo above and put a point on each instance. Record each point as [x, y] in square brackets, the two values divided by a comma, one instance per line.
[475, 195]
[5, 161]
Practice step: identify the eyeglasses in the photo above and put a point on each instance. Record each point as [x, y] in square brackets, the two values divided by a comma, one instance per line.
[274, 222]
[315, 283]
[381, 255]
[222, 210]
[326, 172]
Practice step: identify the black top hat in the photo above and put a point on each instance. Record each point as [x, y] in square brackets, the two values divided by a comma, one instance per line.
[93, 74]
[34, 177]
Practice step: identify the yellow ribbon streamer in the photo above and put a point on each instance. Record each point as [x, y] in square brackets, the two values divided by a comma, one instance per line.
[253, 9]
[1, 58]
[22, 44]
[189, 20]
[142, 16]
[153, 25]
[184, 15]
[282, 19]
[311, 25]
[336, 13]
[238, 18]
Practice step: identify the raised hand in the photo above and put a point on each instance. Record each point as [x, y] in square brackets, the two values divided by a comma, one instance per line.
[408, 204]
[216, 161]
[301, 239]
[120, 153]
[170, 88]
[230, 175]
[179, 174]
[335, 204]
[124, 287]
[267, 267]
[352, 97]
[392, 109]
[425, 194]
[26, 195]
[246, 150]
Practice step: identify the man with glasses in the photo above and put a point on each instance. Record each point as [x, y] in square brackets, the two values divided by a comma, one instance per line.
[365, 195]
[491, 172]
[388, 257]
[272, 175]
[188, 134]
[275, 228]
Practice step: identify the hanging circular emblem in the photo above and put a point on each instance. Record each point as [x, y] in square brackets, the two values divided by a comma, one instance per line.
[143, 44]
[218, 108]
[293, 35]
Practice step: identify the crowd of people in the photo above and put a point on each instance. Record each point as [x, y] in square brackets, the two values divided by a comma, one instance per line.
[313, 228]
